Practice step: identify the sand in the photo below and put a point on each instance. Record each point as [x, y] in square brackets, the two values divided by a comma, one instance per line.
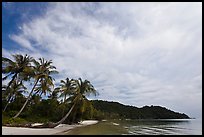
[44, 131]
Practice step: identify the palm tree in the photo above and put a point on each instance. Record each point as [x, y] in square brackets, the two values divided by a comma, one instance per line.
[54, 94]
[85, 88]
[42, 72]
[21, 64]
[15, 88]
[79, 90]
[44, 86]
[65, 90]
[19, 68]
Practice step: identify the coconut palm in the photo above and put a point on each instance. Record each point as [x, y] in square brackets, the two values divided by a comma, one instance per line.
[85, 88]
[54, 94]
[19, 68]
[42, 71]
[15, 88]
[79, 90]
[44, 86]
[21, 64]
[65, 88]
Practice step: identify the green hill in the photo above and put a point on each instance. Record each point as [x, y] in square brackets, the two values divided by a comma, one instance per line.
[111, 110]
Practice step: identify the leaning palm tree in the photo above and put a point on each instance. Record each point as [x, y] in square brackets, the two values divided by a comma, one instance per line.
[21, 64]
[85, 88]
[15, 88]
[19, 68]
[65, 90]
[42, 72]
[44, 86]
[80, 89]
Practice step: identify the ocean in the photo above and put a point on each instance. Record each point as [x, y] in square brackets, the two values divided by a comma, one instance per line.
[142, 127]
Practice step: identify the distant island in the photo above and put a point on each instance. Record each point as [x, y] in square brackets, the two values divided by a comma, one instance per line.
[113, 110]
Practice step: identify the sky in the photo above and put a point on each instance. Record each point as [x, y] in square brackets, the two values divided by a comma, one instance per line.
[133, 53]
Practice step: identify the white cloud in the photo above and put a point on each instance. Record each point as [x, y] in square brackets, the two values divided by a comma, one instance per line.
[134, 53]
[22, 41]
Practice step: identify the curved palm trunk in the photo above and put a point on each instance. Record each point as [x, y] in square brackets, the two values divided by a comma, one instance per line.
[26, 100]
[5, 107]
[10, 96]
[13, 78]
[7, 103]
[65, 117]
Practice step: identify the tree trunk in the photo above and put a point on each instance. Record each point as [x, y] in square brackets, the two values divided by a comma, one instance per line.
[52, 125]
[10, 96]
[65, 117]
[13, 78]
[26, 100]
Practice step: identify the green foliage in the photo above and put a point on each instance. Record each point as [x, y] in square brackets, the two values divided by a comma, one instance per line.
[11, 113]
[73, 91]
[77, 90]
[37, 119]
[7, 120]
[88, 112]
[26, 68]
[116, 110]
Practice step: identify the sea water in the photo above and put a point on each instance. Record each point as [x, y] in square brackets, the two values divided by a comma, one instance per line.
[142, 127]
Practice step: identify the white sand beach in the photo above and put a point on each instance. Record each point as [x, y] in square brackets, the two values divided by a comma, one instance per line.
[44, 131]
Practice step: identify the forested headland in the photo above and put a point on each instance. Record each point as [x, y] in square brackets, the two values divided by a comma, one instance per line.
[115, 110]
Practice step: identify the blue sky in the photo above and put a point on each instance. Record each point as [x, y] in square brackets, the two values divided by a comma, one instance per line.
[134, 53]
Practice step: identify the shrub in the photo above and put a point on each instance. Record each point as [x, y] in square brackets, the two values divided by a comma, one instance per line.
[12, 113]
[14, 121]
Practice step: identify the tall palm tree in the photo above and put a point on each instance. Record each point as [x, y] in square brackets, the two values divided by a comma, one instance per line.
[65, 90]
[21, 64]
[44, 86]
[85, 88]
[80, 89]
[15, 88]
[42, 72]
[19, 68]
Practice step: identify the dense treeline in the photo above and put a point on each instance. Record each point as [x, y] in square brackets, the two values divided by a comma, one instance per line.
[66, 103]
[45, 110]
[117, 110]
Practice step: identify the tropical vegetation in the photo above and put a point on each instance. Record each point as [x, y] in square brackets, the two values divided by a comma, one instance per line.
[115, 110]
[31, 96]
[73, 108]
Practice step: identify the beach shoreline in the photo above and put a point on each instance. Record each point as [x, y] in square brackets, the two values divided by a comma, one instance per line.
[44, 131]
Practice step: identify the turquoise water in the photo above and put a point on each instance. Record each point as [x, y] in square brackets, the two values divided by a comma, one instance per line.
[142, 127]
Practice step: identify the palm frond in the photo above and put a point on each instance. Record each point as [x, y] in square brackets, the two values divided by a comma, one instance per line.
[7, 60]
